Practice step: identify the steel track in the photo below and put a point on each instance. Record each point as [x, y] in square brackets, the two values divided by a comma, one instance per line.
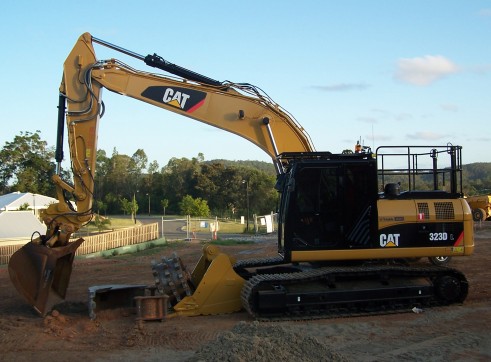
[315, 293]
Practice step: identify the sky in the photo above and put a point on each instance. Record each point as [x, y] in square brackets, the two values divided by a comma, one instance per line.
[384, 72]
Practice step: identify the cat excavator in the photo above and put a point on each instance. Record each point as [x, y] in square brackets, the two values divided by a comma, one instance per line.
[349, 223]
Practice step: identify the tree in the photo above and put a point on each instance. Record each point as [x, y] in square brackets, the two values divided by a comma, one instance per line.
[125, 206]
[477, 178]
[179, 179]
[262, 194]
[24, 207]
[26, 165]
[102, 168]
[165, 204]
[139, 161]
[112, 202]
[101, 222]
[194, 207]
[118, 179]
[130, 207]
[101, 206]
[221, 186]
[133, 208]
[153, 167]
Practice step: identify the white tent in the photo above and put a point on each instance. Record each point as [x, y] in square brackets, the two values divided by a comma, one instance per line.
[15, 200]
[19, 226]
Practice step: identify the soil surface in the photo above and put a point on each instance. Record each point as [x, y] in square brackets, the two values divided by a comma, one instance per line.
[454, 333]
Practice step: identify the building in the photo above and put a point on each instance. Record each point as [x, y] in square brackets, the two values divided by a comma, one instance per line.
[17, 200]
[18, 226]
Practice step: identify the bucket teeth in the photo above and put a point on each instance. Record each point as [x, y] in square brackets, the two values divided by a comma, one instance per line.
[171, 278]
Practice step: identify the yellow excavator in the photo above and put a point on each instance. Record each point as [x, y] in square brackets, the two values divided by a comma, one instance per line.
[348, 223]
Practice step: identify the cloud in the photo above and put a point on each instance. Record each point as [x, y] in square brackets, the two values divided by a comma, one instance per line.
[367, 119]
[342, 87]
[381, 114]
[424, 70]
[426, 136]
[403, 116]
[480, 69]
[380, 137]
[450, 107]
[485, 12]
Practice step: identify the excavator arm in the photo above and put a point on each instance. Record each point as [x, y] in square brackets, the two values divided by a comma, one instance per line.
[238, 108]
[41, 269]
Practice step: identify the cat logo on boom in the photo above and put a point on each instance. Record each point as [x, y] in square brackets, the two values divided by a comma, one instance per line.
[186, 99]
[175, 98]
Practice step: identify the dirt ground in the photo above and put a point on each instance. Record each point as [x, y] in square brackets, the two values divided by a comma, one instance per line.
[455, 333]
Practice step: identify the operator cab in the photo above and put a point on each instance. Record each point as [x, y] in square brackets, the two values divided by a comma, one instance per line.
[328, 201]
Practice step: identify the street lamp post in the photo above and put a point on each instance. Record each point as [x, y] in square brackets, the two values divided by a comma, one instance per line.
[148, 204]
[247, 200]
[133, 207]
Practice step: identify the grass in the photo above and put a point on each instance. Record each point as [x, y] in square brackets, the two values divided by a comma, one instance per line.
[228, 227]
[224, 226]
[118, 223]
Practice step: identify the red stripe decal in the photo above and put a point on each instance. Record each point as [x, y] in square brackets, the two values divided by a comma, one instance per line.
[195, 107]
[459, 240]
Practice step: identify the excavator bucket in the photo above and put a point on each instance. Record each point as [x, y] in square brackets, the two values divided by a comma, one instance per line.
[41, 274]
[212, 288]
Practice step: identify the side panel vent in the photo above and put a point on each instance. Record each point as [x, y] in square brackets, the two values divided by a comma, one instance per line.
[444, 211]
[423, 209]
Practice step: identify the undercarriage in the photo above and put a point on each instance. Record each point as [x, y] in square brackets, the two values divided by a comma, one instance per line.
[308, 292]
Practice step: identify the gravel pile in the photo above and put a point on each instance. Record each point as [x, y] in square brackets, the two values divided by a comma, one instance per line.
[259, 342]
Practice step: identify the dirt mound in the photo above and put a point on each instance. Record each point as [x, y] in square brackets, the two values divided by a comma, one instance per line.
[257, 341]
